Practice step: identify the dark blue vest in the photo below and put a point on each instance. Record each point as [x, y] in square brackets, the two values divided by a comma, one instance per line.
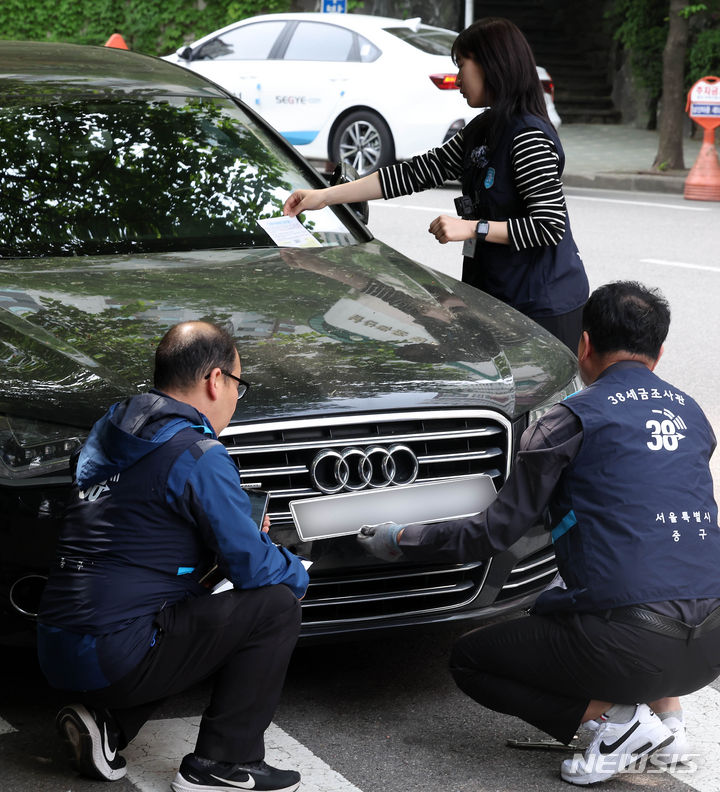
[634, 519]
[124, 552]
[538, 282]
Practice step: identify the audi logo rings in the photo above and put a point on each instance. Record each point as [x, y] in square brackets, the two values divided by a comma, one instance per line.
[354, 469]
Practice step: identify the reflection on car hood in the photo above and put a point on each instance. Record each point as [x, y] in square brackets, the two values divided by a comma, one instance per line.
[342, 329]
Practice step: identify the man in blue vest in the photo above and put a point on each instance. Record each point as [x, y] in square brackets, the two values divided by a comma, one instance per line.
[620, 473]
[125, 620]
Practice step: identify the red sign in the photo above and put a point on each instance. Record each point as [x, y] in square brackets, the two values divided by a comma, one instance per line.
[703, 102]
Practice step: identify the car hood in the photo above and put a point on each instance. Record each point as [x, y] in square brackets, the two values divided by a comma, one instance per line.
[341, 329]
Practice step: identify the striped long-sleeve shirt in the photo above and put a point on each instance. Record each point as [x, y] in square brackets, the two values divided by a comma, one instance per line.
[535, 165]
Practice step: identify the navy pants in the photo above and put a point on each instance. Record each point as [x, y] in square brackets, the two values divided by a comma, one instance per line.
[242, 640]
[565, 327]
[547, 669]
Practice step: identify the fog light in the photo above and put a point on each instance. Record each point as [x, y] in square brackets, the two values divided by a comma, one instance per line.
[25, 594]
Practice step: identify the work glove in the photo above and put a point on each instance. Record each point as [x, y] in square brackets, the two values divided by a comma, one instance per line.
[381, 540]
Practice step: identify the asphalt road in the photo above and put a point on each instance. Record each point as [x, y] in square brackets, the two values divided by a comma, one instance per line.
[371, 716]
[382, 714]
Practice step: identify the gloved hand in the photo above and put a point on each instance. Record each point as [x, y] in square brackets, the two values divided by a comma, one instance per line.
[381, 540]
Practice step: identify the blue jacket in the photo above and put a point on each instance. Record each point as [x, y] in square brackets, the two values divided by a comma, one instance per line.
[634, 517]
[156, 499]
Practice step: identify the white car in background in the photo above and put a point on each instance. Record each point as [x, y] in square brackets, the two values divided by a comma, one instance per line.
[365, 90]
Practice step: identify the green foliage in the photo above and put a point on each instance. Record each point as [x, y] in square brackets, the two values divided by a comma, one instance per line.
[641, 26]
[156, 27]
[131, 175]
[642, 30]
[241, 9]
[691, 10]
[705, 55]
[124, 338]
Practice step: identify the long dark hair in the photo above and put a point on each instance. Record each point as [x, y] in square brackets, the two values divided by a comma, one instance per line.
[512, 84]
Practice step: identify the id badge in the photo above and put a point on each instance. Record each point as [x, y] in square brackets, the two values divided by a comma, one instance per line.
[469, 247]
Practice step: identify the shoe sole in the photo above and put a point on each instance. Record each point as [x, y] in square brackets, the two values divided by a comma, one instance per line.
[635, 756]
[80, 733]
[181, 784]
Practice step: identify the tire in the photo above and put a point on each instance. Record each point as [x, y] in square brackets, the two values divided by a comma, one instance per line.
[363, 140]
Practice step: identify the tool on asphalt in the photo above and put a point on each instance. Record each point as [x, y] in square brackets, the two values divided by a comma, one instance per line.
[544, 743]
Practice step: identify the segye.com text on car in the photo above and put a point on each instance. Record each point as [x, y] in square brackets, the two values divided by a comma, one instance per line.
[132, 192]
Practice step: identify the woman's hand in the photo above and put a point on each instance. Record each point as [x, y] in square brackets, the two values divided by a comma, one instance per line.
[265, 524]
[455, 229]
[366, 189]
[304, 200]
[452, 229]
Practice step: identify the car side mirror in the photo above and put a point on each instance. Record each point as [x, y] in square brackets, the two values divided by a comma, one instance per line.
[185, 53]
[343, 174]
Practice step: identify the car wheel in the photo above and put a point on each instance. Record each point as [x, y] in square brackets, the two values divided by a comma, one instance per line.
[363, 140]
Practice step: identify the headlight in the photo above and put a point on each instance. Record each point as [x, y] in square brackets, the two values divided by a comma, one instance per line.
[573, 386]
[34, 448]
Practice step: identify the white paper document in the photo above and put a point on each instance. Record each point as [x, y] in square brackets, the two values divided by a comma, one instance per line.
[288, 232]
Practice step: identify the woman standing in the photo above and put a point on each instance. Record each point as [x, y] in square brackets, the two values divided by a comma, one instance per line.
[513, 219]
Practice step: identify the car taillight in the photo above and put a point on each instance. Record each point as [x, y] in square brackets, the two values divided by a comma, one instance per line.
[549, 88]
[444, 81]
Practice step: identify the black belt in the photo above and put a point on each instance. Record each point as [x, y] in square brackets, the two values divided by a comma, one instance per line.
[664, 625]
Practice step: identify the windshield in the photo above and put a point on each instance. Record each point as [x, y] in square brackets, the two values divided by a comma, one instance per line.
[161, 174]
[435, 41]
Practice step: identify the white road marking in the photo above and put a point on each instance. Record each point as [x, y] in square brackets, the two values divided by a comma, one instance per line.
[443, 210]
[154, 756]
[571, 196]
[640, 203]
[702, 720]
[679, 264]
[5, 727]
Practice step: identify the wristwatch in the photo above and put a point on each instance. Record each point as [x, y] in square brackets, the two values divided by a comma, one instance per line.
[482, 229]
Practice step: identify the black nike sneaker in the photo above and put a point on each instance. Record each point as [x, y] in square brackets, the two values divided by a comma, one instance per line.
[203, 775]
[92, 739]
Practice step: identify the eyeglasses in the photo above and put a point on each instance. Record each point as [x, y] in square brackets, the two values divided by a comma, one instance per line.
[243, 386]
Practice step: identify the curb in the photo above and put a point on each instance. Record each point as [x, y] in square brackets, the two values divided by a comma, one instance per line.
[632, 181]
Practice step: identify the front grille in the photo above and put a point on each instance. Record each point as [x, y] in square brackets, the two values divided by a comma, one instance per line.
[382, 594]
[278, 457]
[530, 574]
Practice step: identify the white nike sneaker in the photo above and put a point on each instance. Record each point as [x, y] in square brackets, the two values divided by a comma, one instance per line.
[616, 746]
[92, 739]
[679, 747]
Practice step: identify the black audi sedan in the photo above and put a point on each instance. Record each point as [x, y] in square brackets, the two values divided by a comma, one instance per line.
[136, 194]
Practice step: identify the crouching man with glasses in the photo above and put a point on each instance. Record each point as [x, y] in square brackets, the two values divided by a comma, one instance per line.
[125, 620]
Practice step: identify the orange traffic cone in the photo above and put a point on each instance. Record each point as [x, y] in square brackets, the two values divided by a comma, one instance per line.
[117, 41]
[703, 181]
